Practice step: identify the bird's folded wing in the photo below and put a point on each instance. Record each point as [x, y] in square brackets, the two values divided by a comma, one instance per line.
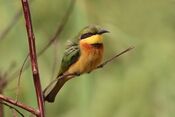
[71, 55]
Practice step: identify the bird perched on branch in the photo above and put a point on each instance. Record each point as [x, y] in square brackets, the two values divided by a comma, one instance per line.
[81, 57]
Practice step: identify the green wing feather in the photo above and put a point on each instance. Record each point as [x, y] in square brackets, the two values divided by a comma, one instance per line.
[71, 55]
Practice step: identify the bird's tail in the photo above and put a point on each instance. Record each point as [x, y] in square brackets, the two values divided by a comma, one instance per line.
[52, 89]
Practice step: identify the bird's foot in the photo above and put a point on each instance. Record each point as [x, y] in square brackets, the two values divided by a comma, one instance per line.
[77, 74]
[89, 72]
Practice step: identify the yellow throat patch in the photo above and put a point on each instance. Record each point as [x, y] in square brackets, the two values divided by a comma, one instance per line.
[92, 39]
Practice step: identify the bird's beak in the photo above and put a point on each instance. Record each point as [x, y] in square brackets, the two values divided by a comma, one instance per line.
[102, 31]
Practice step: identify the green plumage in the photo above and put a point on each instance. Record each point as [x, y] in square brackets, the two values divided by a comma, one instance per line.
[72, 52]
[71, 55]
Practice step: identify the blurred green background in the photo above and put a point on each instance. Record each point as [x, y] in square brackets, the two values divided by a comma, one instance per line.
[140, 83]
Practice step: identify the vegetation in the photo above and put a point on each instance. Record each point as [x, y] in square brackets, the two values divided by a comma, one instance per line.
[137, 84]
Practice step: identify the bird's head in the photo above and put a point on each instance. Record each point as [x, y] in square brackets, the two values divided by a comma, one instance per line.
[92, 34]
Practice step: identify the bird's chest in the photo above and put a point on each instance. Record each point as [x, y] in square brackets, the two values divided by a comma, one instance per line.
[91, 56]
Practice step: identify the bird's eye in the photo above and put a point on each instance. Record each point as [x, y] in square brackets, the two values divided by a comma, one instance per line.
[86, 35]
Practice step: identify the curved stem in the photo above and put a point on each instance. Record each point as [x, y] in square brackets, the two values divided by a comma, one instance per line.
[33, 57]
[12, 108]
[19, 104]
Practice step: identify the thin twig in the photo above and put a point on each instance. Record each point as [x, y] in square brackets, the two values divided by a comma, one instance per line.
[70, 76]
[19, 104]
[33, 57]
[19, 78]
[55, 58]
[12, 108]
[60, 27]
[114, 57]
[11, 24]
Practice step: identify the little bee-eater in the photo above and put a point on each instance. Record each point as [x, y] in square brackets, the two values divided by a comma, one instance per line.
[81, 57]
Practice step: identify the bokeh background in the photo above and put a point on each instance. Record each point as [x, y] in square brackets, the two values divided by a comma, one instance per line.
[140, 83]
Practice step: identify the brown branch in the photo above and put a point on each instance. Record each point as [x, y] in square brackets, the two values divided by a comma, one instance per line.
[19, 104]
[33, 57]
[12, 108]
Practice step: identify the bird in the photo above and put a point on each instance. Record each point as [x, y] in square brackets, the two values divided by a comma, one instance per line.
[79, 57]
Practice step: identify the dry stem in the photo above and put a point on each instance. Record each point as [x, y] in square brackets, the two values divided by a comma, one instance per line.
[33, 57]
[19, 104]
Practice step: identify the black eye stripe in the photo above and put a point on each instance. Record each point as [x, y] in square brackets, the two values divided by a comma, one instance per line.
[86, 35]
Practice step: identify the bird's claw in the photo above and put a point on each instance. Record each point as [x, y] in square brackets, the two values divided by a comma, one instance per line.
[77, 74]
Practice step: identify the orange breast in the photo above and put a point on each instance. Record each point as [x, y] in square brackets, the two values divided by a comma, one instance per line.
[91, 56]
